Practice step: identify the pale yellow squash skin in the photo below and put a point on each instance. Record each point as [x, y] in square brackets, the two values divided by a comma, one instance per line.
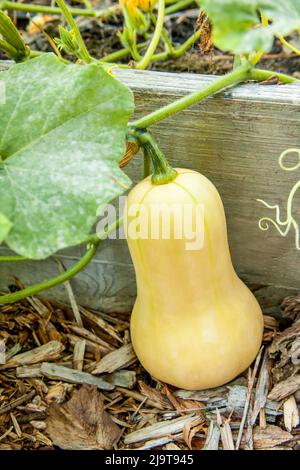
[195, 324]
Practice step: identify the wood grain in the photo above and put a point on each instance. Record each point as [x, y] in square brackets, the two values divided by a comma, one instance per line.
[235, 139]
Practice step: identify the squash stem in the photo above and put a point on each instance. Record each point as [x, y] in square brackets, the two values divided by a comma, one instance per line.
[163, 173]
[147, 163]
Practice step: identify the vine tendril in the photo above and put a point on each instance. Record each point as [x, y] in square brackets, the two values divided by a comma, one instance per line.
[264, 222]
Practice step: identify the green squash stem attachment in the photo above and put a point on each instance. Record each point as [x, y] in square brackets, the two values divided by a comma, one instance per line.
[163, 173]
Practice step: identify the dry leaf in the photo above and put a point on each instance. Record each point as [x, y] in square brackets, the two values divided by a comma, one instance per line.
[205, 27]
[82, 423]
[131, 149]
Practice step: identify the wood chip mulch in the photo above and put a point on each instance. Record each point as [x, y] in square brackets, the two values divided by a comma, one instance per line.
[76, 384]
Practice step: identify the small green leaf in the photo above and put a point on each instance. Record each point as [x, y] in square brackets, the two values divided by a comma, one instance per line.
[236, 23]
[128, 39]
[67, 41]
[5, 226]
[11, 37]
[62, 134]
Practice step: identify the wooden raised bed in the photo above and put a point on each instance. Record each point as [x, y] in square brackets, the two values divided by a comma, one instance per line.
[235, 139]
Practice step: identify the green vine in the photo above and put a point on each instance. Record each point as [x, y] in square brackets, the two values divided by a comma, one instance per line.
[261, 75]
[178, 6]
[15, 6]
[82, 50]
[289, 45]
[145, 61]
[94, 241]
[37, 288]
[12, 259]
[236, 76]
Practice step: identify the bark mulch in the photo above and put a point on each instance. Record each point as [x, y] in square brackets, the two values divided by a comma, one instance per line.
[69, 379]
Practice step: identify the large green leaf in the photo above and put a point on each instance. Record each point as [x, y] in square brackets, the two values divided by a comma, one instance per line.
[236, 23]
[5, 226]
[62, 134]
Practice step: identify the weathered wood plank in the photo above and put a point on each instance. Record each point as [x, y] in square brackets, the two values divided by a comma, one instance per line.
[235, 139]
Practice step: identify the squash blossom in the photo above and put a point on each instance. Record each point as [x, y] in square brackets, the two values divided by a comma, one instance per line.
[134, 5]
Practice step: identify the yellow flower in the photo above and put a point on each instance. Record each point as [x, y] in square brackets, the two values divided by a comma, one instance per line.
[133, 5]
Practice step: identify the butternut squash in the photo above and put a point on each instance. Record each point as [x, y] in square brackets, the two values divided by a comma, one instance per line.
[195, 324]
